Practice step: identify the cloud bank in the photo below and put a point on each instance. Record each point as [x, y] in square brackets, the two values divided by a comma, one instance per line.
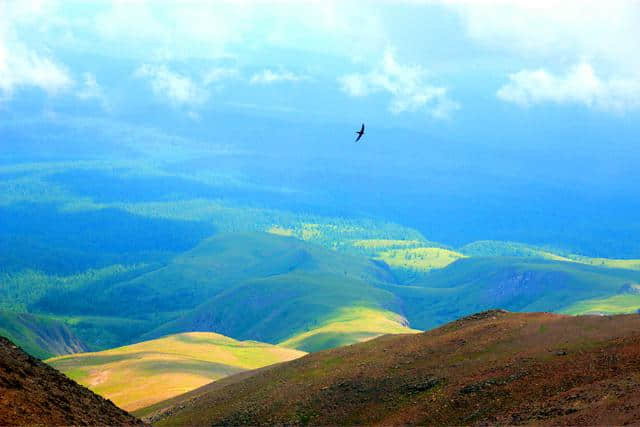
[580, 85]
[547, 51]
[268, 76]
[596, 44]
[20, 65]
[406, 84]
[178, 89]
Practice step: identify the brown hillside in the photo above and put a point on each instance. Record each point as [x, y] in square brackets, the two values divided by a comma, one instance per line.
[494, 367]
[33, 393]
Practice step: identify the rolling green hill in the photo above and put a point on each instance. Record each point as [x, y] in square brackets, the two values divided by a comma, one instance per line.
[347, 326]
[131, 258]
[615, 304]
[420, 258]
[490, 248]
[519, 284]
[296, 287]
[250, 286]
[148, 372]
[279, 289]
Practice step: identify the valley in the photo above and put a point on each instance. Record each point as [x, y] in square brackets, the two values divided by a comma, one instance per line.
[151, 269]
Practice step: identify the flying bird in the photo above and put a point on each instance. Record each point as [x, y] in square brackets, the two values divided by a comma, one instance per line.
[360, 133]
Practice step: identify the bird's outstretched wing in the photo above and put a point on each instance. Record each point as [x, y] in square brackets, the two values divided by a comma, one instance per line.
[360, 133]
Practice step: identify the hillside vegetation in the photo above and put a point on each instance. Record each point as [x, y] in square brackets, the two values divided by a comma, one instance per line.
[621, 303]
[490, 368]
[518, 284]
[419, 259]
[513, 249]
[279, 289]
[148, 372]
[40, 336]
[347, 326]
[130, 231]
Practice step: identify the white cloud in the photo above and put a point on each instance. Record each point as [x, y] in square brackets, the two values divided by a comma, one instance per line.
[218, 74]
[579, 85]
[180, 90]
[268, 76]
[603, 31]
[91, 90]
[23, 66]
[407, 85]
[602, 38]
[168, 30]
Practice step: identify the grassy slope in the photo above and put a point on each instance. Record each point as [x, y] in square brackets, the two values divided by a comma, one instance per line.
[250, 286]
[296, 285]
[629, 264]
[66, 299]
[622, 303]
[347, 326]
[289, 287]
[39, 336]
[95, 300]
[491, 368]
[419, 259]
[513, 249]
[519, 284]
[273, 309]
[276, 289]
[145, 373]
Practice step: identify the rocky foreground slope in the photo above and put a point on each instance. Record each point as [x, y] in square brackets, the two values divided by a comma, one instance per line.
[494, 367]
[33, 393]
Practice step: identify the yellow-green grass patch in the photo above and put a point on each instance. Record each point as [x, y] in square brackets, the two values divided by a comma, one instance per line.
[629, 264]
[420, 259]
[383, 243]
[348, 326]
[280, 231]
[142, 374]
[616, 304]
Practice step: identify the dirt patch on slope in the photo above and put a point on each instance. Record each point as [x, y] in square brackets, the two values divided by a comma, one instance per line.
[98, 376]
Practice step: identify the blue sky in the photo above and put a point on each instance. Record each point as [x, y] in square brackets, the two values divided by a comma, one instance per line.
[436, 64]
[478, 112]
